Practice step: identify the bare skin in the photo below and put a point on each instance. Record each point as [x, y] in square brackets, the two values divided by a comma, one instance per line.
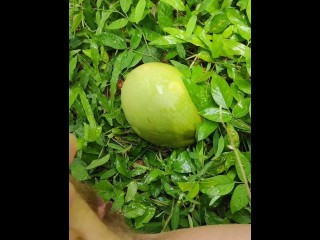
[88, 221]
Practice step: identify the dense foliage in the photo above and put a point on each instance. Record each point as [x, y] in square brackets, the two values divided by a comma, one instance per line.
[158, 189]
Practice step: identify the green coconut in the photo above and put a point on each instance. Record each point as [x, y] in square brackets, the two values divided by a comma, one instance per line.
[158, 107]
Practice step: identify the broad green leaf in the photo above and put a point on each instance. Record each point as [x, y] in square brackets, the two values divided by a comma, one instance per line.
[166, 40]
[78, 171]
[91, 133]
[218, 23]
[216, 46]
[244, 31]
[242, 4]
[108, 174]
[218, 185]
[234, 16]
[133, 210]
[135, 38]
[87, 108]
[181, 51]
[212, 218]
[246, 166]
[238, 123]
[139, 10]
[210, 6]
[153, 175]
[221, 91]
[119, 23]
[204, 55]
[226, 4]
[198, 74]
[191, 187]
[243, 84]
[248, 10]
[125, 5]
[220, 147]
[183, 163]
[145, 218]
[150, 35]
[178, 33]
[216, 114]
[104, 54]
[73, 94]
[104, 16]
[121, 166]
[232, 48]
[241, 108]
[175, 217]
[121, 62]
[94, 54]
[250, 109]
[227, 32]
[150, 54]
[98, 162]
[99, 3]
[165, 14]
[176, 4]
[118, 197]
[191, 25]
[239, 198]
[72, 66]
[236, 92]
[242, 216]
[111, 40]
[131, 191]
[89, 14]
[205, 129]
[76, 21]
[201, 33]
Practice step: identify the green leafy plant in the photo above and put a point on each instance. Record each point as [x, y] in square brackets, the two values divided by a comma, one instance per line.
[160, 189]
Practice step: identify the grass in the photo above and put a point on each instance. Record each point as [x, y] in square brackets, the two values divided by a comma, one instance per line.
[160, 189]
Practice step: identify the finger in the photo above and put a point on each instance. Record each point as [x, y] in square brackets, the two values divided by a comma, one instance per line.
[72, 147]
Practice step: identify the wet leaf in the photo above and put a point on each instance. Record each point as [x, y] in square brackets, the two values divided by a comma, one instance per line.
[111, 40]
[176, 4]
[165, 14]
[125, 5]
[218, 185]
[239, 198]
[131, 191]
[191, 25]
[98, 162]
[145, 218]
[183, 163]
[121, 166]
[218, 23]
[139, 10]
[216, 114]
[221, 91]
[191, 187]
[205, 129]
[133, 210]
[78, 171]
[153, 175]
[119, 23]
[212, 218]
[175, 218]
[246, 166]
[72, 66]
[241, 108]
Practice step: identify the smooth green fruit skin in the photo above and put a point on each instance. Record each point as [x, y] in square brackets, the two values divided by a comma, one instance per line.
[158, 107]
